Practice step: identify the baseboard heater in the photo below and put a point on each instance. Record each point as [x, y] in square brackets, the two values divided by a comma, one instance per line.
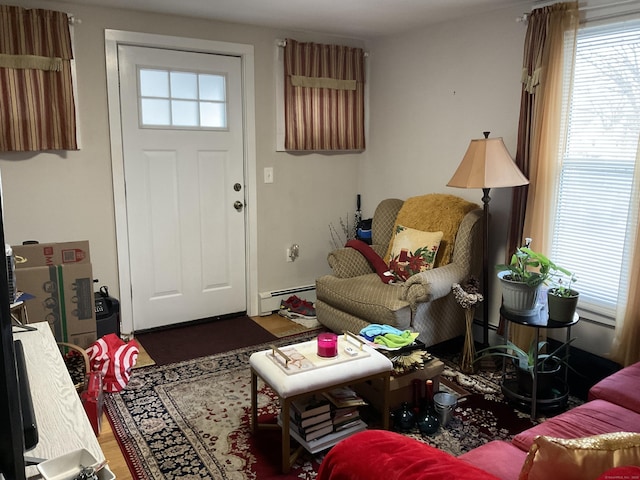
[270, 301]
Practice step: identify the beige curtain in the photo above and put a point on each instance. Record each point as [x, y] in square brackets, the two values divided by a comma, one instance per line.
[549, 50]
[37, 109]
[324, 97]
[626, 347]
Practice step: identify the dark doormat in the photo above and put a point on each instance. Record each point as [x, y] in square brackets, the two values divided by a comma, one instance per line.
[203, 338]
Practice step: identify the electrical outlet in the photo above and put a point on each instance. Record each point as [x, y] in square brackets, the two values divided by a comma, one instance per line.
[268, 175]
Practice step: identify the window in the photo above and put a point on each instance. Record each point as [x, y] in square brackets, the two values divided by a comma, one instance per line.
[596, 215]
[182, 99]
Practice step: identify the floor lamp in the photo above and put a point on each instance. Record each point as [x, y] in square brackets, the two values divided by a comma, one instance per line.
[486, 165]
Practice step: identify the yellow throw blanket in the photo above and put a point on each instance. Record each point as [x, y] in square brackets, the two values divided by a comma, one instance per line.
[431, 213]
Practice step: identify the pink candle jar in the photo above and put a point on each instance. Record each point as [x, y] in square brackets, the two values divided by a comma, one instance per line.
[327, 345]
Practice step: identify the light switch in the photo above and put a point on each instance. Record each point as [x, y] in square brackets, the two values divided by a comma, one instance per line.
[268, 175]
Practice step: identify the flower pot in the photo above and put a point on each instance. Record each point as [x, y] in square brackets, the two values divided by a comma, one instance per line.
[562, 309]
[518, 297]
[545, 380]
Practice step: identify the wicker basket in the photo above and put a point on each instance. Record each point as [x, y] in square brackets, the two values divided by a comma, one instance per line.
[77, 362]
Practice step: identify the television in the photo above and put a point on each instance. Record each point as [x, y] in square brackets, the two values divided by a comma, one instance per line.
[13, 380]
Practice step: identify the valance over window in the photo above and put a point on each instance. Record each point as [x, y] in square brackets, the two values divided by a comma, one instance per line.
[37, 109]
[324, 97]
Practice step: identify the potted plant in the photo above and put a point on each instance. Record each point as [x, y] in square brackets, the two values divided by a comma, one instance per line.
[522, 278]
[562, 300]
[548, 364]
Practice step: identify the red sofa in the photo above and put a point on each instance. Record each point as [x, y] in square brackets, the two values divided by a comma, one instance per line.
[613, 406]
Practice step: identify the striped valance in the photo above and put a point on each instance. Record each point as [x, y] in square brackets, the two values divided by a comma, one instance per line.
[44, 33]
[324, 97]
[37, 107]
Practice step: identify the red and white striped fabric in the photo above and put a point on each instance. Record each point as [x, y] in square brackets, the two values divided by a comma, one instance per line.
[115, 359]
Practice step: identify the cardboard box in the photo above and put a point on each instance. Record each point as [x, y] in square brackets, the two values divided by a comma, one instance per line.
[400, 388]
[63, 293]
[46, 254]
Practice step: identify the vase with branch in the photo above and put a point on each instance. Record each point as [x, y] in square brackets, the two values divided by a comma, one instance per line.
[343, 233]
[468, 296]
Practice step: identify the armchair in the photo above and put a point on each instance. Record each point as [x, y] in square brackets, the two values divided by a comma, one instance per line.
[354, 295]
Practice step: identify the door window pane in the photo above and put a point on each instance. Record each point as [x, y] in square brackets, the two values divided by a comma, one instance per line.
[184, 85]
[155, 112]
[154, 83]
[184, 113]
[213, 115]
[212, 87]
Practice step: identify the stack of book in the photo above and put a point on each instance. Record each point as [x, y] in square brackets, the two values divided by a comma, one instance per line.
[311, 417]
[345, 418]
[345, 403]
[317, 423]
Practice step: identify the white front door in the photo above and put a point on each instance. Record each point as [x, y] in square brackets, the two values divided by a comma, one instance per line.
[182, 135]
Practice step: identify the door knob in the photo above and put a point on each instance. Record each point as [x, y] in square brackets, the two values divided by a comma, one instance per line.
[238, 205]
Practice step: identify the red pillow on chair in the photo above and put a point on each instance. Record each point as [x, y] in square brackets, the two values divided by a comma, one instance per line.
[373, 258]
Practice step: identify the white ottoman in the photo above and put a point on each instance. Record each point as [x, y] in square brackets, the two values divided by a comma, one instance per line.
[323, 375]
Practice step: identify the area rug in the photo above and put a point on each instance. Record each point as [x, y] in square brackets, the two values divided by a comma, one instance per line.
[192, 420]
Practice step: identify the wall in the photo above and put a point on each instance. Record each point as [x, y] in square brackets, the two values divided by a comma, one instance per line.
[69, 195]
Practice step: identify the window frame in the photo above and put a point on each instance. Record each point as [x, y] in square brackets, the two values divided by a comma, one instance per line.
[594, 311]
[170, 99]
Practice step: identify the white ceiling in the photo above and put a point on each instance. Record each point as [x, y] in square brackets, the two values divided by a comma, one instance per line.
[350, 18]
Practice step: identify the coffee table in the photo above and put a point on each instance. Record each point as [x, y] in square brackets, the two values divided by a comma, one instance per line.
[323, 374]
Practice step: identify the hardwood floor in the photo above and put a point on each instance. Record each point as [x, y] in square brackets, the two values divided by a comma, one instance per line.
[110, 447]
[112, 452]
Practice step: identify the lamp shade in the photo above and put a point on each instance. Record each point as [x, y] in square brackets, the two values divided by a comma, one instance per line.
[487, 164]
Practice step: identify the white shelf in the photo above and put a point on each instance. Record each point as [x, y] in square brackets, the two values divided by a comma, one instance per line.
[328, 440]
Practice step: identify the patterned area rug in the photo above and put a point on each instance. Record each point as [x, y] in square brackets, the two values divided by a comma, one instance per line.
[191, 420]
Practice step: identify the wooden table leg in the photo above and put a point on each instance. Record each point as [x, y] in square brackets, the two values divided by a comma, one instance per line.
[286, 438]
[385, 401]
[254, 402]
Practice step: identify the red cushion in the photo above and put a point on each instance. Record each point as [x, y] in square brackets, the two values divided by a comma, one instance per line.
[591, 418]
[620, 388]
[378, 454]
[499, 458]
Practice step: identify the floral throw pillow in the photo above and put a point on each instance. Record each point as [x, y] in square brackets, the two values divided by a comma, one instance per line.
[413, 251]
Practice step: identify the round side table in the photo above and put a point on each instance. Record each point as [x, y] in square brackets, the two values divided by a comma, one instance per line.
[538, 320]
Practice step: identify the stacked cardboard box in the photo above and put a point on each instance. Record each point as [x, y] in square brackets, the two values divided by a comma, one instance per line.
[60, 278]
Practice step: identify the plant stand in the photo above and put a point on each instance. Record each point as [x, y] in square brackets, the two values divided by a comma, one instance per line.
[469, 349]
[540, 319]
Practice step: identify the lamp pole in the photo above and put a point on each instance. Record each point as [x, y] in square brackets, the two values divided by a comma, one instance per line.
[485, 267]
[485, 263]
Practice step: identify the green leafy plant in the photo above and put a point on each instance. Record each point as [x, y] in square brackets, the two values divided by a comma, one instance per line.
[525, 359]
[531, 267]
[562, 287]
